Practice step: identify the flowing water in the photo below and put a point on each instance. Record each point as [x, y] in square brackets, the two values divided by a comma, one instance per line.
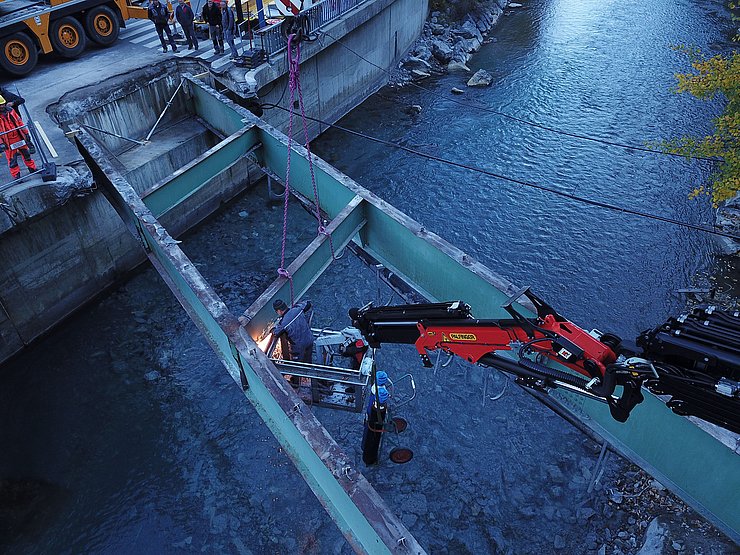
[121, 433]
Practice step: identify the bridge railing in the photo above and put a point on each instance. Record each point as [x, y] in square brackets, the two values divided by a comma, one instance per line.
[272, 39]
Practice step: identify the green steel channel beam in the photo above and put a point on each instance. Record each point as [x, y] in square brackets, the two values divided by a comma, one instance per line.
[192, 177]
[360, 513]
[221, 113]
[307, 267]
[273, 154]
[681, 455]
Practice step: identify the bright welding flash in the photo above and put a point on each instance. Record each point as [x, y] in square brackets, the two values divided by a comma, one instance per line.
[264, 342]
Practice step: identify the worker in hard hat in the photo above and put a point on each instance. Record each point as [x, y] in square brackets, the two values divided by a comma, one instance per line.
[15, 139]
[13, 100]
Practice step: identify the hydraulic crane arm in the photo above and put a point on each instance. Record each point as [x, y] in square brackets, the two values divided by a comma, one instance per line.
[597, 362]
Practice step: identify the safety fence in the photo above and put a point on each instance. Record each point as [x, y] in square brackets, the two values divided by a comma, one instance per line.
[273, 37]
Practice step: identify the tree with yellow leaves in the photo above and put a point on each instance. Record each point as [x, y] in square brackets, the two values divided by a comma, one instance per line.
[718, 76]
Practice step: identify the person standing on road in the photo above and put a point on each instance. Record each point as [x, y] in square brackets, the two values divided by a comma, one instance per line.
[228, 24]
[14, 140]
[185, 17]
[161, 18]
[212, 15]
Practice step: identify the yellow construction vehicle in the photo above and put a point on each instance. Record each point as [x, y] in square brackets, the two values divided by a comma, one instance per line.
[29, 28]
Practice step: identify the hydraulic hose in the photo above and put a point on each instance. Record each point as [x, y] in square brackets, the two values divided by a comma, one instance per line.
[529, 369]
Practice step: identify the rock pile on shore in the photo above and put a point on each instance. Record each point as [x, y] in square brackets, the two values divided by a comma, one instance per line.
[449, 39]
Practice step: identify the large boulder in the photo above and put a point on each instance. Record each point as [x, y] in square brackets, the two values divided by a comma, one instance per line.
[457, 66]
[480, 78]
[468, 46]
[442, 51]
[423, 52]
[469, 31]
[414, 63]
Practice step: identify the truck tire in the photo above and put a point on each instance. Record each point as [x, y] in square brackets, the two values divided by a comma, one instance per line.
[102, 26]
[18, 54]
[68, 37]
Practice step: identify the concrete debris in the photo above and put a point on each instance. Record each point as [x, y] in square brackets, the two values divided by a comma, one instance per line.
[654, 539]
[415, 63]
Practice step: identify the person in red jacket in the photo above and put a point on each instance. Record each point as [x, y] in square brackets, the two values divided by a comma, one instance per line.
[14, 139]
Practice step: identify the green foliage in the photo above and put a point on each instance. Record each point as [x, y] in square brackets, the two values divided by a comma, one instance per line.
[715, 77]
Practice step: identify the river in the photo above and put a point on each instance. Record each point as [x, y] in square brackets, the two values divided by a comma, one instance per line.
[121, 433]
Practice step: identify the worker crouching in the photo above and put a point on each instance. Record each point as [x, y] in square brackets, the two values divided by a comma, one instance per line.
[15, 140]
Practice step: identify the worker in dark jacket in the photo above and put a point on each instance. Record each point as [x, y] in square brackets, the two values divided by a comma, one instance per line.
[228, 24]
[185, 17]
[294, 322]
[160, 16]
[212, 15]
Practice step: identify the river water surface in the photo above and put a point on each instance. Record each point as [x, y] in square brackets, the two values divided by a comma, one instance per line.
[121, 433]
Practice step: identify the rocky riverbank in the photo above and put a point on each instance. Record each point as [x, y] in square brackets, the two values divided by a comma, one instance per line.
[450, 37]
[728, 221]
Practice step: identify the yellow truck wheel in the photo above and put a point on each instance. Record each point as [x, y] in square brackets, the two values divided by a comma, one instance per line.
[102, 25]
[18, 54]
[68, 37]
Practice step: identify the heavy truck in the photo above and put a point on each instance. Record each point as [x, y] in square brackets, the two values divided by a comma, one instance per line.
[29, 28]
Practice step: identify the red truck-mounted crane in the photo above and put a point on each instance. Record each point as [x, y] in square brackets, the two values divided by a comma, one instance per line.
[693, 361]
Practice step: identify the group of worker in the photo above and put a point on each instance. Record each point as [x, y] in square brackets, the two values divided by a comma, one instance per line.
[218, 14]
[15, 138]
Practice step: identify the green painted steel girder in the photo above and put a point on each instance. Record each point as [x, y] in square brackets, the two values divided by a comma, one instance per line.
[213, 107]
[308, 266]
[360, 513]
[192, 177]
[274, 154]
[697, 467]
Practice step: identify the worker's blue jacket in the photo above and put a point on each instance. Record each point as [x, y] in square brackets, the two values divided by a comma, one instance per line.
[295, 324]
